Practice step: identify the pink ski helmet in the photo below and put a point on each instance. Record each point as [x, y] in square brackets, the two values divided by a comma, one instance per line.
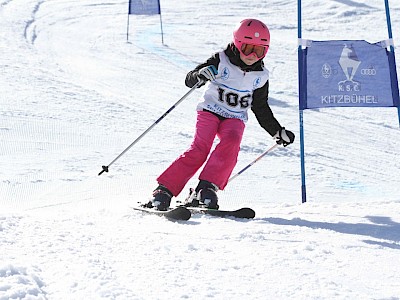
[251, 32]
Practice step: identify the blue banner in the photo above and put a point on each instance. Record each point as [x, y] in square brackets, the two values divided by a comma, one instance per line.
[346, 73]
[144, 7]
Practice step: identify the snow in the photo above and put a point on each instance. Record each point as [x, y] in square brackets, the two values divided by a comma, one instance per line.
[75, 94]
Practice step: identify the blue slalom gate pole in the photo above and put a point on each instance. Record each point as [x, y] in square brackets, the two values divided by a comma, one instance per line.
[389, 27]
[300, 70]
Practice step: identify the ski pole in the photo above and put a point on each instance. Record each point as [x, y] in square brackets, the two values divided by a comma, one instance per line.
[105, 168]
[253, 162]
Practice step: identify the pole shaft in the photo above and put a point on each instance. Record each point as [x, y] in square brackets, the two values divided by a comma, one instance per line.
[253, 162]
[105, 168]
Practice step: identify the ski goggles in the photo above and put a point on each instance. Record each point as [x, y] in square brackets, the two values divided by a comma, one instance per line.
[248, 49]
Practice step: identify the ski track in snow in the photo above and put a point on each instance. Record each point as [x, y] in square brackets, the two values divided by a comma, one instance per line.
[75, 93]
[30, 33]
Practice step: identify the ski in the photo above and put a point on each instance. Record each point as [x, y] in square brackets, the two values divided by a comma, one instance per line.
[179, 213]
[242, 213]
[195, 207]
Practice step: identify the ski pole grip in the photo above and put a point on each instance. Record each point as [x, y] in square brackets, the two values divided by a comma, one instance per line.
[105, 169]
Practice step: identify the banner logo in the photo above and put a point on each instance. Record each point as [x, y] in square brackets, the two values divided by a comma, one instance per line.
[349, 63]
[326, 70]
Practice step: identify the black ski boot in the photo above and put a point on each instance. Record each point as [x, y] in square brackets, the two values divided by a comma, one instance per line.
[161, 198]
[206, 194]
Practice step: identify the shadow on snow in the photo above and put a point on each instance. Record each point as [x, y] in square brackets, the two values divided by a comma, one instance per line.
[382, 228]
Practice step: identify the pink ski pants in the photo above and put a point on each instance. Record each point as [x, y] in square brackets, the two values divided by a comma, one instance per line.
[222, 160]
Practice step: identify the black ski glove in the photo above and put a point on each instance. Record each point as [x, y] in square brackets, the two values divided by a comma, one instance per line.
[205, 74]
[208, 73]
[284, 137]
[201, 76]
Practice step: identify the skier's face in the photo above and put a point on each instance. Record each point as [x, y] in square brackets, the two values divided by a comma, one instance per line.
[250, 59]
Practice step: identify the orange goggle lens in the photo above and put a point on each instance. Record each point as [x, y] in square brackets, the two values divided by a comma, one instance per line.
[248, 49]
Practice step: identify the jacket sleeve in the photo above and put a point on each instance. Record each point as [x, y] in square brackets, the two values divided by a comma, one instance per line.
[263, 112]
[191, 77]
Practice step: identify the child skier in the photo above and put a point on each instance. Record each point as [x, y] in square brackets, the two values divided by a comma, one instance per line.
[236, 80]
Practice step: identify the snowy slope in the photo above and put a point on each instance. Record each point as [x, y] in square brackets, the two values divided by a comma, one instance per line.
[75, 94]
